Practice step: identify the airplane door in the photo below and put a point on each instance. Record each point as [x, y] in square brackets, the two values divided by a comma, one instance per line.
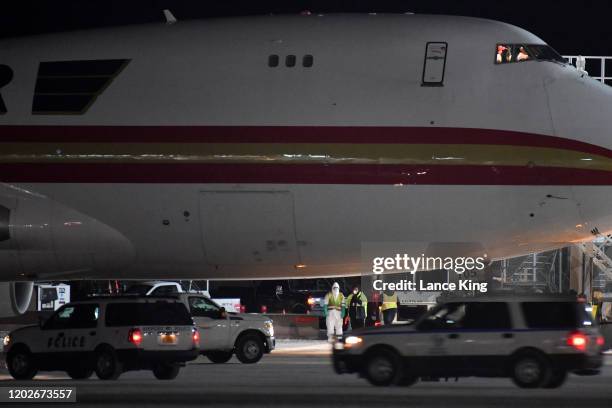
[435, 64]
[248, 227]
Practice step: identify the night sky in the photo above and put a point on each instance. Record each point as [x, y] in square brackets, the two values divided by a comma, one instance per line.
[572, 27]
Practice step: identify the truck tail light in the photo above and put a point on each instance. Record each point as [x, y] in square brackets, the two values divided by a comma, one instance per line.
[196, 337]
[135, 336]
[577, 340]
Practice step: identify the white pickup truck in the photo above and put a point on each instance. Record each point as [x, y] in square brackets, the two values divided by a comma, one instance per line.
[223, 334]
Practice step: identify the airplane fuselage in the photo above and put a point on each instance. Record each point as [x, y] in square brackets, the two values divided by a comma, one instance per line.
[280, 146]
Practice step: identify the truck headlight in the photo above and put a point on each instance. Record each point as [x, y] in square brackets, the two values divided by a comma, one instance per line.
[269, 327]
[6, 340]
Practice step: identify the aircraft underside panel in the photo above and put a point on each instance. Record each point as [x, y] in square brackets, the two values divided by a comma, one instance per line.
[248, 227]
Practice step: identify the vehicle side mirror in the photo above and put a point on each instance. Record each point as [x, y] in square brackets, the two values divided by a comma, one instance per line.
[222, 313]
[41, 321]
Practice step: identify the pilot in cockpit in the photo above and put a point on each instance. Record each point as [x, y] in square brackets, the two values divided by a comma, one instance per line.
[503, 54]
[522, 55]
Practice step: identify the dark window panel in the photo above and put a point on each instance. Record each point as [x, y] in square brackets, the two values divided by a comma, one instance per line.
[81, 68]
[290, 61]
[147, 314]
[6, 75]
[61, 85]
[554, 315]
[273, 61]
[5, 215]
[308, 61]
[487, 315]
[46, 104]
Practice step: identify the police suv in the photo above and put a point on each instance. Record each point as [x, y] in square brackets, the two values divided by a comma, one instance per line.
[224, 334]
[535, 341]
[108, 335]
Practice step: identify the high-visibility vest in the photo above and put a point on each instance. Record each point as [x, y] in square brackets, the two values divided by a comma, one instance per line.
[389, 302]
[334, 303]
[357, 305]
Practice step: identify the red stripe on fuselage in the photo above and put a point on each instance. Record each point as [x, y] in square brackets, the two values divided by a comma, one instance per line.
[300, 174]
[288, 134]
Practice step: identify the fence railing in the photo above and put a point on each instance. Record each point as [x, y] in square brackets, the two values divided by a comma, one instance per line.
[595, 66]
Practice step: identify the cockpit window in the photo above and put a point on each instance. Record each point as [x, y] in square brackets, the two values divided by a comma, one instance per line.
[510, 53]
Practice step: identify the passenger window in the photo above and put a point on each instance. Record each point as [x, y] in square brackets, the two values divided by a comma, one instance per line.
[307, 61]
[147, 314]
[290, 61]
[83, 316]
[273, 61]
[555, 315]
[488, 316]
[200, 307]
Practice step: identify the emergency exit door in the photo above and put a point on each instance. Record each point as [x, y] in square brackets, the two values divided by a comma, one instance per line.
[435, 63]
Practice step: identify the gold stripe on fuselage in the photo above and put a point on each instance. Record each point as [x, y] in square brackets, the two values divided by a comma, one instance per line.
[289, 153]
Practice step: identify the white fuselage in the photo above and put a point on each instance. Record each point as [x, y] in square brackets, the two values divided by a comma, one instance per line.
[199, 160]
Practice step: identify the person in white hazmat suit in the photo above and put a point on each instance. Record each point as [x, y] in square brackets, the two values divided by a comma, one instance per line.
[334, 308]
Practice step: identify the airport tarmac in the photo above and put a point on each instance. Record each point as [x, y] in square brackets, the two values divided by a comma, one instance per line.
[300, 374]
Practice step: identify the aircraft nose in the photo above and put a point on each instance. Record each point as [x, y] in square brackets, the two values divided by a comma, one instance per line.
[581, 110]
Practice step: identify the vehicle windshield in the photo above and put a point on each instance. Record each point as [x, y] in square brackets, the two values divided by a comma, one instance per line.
[139, 289]
[511, 53]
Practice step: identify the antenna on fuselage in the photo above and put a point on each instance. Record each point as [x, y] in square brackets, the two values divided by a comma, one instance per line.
[170, 19]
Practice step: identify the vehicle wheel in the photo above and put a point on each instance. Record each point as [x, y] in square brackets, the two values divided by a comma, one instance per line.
[108, 366]
[557, 379]
[249, 349]
[382, 368]
[166, 371]
[219, 357]
[79, 373]
[531, 370]
[20, 364]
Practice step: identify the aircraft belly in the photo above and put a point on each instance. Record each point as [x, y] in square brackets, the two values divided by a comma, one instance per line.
[210, 231]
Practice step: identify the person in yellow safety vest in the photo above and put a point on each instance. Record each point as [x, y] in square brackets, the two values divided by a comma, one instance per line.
[389, 306]
[357, 304]
[334, 309]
